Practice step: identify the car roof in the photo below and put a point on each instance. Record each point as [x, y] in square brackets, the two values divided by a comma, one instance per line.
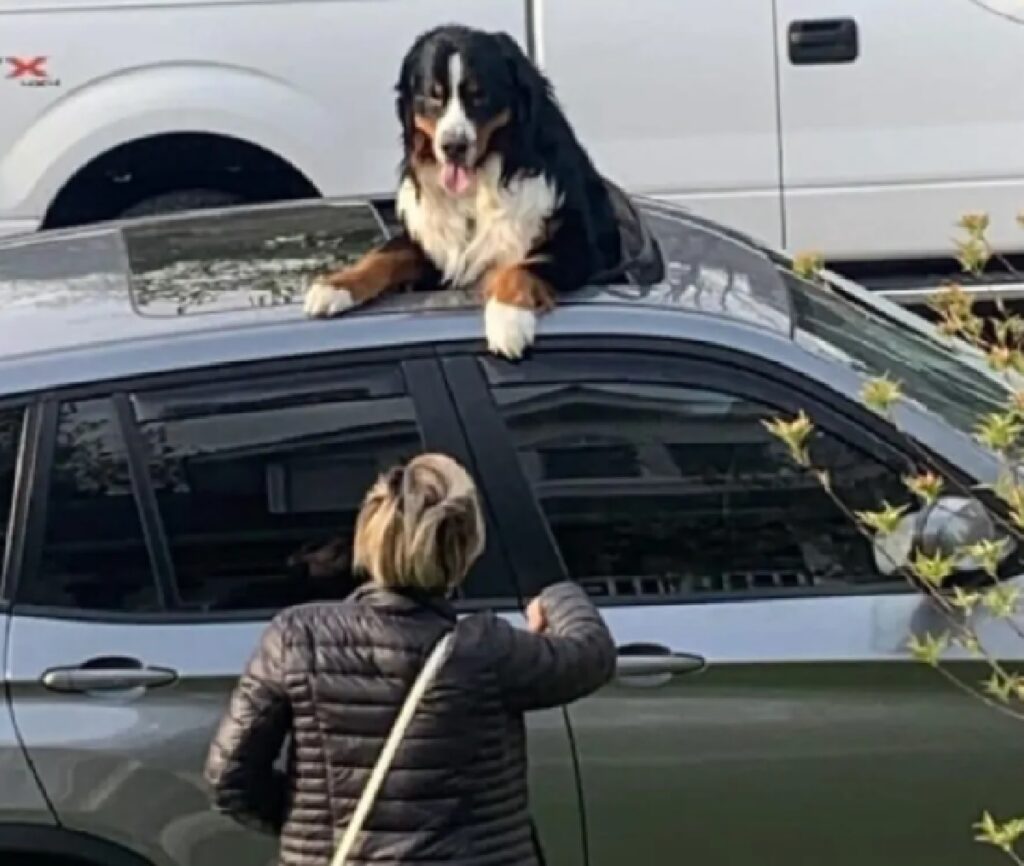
[156, 294]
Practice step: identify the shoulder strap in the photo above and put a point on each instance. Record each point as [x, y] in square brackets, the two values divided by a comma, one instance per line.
[387, 754]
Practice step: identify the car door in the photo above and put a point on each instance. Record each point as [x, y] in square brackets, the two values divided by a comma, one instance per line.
[766, 709]
[896, 119]
[674, 99]
[21, 801]
[178, 518]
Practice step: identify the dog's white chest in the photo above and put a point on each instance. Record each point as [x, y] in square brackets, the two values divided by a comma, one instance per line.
[496, 225]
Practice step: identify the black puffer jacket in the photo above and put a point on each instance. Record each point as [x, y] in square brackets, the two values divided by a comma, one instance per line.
[333, 675]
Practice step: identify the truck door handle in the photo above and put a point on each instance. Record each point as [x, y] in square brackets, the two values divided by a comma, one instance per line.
[656, 662]
[822, 41]
[107, 675]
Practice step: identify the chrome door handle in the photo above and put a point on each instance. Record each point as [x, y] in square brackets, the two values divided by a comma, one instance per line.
[107, 675]
[647, 666]
[654, 664]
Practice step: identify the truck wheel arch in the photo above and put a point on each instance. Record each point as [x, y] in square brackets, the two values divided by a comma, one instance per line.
[138, 106]
[205, 171]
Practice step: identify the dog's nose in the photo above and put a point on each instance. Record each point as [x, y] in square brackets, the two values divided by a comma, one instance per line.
[455, 150]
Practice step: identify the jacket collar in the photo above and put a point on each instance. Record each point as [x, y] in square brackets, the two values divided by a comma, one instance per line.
[403, 601]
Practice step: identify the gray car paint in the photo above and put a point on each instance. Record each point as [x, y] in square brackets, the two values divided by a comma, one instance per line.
[21, 799]
[809, 714]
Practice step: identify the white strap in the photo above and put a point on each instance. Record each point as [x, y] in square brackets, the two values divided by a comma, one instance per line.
[387, 754]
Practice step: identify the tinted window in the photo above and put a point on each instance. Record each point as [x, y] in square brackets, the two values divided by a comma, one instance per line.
[94, 557]
[655, 490]
[214, 262]
[10, 440]
[930, 371]
[259, 488]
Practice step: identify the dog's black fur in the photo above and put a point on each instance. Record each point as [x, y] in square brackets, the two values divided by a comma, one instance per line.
[515, 117]
[537, 140]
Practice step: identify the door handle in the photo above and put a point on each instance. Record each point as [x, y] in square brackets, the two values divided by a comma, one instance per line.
[823, 41]
[107, 675]
[655, 663]
[650, 666]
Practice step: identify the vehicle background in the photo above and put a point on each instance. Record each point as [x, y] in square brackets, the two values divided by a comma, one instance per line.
[868, 154]
[804, 713]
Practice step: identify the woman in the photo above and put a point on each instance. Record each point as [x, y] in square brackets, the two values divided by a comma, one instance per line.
[333, 676]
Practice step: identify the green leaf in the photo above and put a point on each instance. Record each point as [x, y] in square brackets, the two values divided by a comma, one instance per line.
[933, 570]
[883, 522]
[988, 552]
[880, 393]
[964, 600]
[974, 223]
[999, 431]
[1001, 601]
[808, 265]
[930, 649]
[793, 434]
[926, 486]
[999, 687]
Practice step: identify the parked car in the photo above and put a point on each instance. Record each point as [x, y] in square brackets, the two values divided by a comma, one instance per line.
[857, 128]
[177, 441]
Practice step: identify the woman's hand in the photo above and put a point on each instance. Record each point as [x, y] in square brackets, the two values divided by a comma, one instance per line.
[536, 619]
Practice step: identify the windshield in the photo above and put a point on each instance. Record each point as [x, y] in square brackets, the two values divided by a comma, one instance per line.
[931, 371]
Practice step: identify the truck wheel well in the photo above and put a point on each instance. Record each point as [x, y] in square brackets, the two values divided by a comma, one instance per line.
[146, 168]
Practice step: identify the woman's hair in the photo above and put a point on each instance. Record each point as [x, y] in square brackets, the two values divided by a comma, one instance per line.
[420, 526]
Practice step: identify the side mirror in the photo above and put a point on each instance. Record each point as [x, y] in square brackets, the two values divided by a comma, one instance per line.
[946, 526]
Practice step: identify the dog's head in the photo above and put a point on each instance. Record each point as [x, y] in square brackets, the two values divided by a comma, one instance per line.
[460, 92]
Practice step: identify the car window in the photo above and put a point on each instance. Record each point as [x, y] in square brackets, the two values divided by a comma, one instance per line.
[10, 440]
[258, 487]
[94, 557]
[657, 491]
[206, 262]
[934, 373]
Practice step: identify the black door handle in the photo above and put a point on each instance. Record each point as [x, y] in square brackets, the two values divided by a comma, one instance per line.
[107, 675]
[823, 40]
[654, 660]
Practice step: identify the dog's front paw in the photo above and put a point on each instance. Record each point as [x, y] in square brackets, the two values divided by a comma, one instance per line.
[323, 300]
[510, 330]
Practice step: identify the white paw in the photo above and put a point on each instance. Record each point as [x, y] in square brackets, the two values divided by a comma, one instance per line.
[322, 300]
[510, 330]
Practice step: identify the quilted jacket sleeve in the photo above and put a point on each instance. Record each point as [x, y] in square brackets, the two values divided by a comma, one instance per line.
[574, 657]
[240, 765]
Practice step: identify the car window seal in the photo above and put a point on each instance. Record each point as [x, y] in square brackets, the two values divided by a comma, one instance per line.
[158, 550]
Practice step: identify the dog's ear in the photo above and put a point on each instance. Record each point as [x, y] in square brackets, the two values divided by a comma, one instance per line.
[532, 89]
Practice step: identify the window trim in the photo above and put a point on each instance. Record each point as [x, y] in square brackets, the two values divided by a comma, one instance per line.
[523, 530]
[436, 419]
[661, 362]
[150, 520]
[441, 429]
[23, 521]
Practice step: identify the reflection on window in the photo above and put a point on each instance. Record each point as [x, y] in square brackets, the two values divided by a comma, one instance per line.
[10, 441]
[216, 262]
[259, 503]
[94, 556]
[654, 491]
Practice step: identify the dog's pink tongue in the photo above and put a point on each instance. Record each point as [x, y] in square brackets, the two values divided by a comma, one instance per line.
[455, 178]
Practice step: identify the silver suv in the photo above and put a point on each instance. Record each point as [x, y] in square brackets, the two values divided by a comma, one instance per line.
[181, 454]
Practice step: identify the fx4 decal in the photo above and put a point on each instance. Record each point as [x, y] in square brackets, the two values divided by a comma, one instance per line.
[27, 71]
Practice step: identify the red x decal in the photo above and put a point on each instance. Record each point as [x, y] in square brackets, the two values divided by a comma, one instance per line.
[27, 66]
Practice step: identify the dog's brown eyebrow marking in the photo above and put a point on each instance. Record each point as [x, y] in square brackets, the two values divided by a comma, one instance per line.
[426, 125]
[488, 129]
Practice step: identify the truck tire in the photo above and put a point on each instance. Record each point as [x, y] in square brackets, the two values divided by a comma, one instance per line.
[181, 200]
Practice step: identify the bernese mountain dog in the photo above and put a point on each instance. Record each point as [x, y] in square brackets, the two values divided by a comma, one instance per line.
[496, 192]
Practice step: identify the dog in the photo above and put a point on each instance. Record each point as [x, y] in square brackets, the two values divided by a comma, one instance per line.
[496, 191]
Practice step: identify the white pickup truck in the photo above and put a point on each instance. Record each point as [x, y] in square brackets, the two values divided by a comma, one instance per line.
[861, 128]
